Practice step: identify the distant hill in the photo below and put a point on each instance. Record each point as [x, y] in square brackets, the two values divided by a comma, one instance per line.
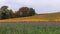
[36, 18]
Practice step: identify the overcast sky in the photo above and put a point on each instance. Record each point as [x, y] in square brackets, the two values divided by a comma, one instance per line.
[41, 6]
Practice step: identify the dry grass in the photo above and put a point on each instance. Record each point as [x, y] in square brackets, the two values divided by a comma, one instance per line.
[36, 18]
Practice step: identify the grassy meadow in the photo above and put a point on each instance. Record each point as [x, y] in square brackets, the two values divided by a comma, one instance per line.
[29, 29]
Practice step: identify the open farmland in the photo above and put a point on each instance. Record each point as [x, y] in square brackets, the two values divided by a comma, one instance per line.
[36, 18]
[6, 28]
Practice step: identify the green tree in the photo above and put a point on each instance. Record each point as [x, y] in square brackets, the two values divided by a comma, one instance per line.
[17, 14]
[4, 12]
[11, 14]
[25, 11]
[31, 12]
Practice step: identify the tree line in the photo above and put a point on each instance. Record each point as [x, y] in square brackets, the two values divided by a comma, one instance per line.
[6, 13]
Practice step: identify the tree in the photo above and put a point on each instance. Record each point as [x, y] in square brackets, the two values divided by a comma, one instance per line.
[4, 12]
[11, 14]
[31, 12]
[25, 11]
[17, 14]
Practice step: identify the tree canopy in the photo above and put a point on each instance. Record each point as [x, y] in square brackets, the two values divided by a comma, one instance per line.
[25, 11]
[22, 12]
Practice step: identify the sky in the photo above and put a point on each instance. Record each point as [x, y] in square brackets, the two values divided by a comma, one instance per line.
[40, 6]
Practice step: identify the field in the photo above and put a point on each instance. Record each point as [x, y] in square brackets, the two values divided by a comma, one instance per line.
[36, 18]
[29, 29]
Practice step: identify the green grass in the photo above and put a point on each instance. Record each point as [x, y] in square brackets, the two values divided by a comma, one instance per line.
[29, 29]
